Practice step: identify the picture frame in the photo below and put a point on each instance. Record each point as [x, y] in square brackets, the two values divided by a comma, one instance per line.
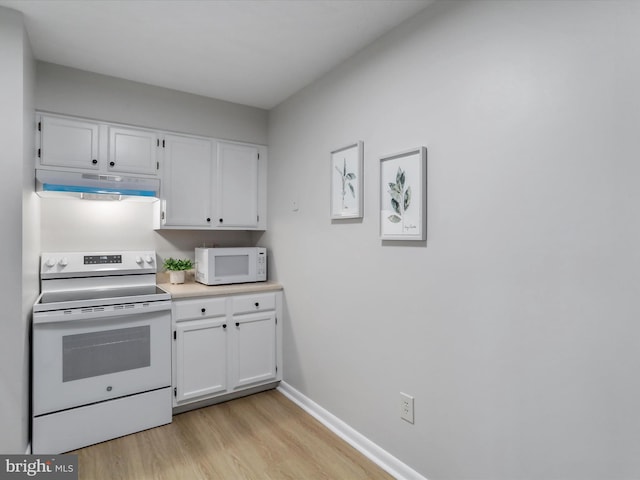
[346, 182]
[403, 195]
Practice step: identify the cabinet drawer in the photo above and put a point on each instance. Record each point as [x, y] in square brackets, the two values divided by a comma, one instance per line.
[254, 302]
[200, 308]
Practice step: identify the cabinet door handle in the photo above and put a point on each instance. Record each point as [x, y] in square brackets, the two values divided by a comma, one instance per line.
[208, 219]
[94, 161]
[220, 220]
[224, 325]
[203, 310]
[237, 324]
[112, 164]
[257, 304]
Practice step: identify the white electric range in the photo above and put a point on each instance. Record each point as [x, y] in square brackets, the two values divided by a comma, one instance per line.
[101, 349]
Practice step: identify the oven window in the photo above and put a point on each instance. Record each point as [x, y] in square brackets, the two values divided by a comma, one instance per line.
[88, 355]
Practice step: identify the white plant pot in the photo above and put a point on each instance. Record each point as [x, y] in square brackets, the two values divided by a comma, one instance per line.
[176, 276]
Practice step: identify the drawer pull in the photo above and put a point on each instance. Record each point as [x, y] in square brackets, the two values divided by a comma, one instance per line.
[203, 310]
[224, 325]
[257, 304]
[237, 324]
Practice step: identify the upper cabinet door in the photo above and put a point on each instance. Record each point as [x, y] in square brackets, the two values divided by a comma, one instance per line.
[68, 143]
[237, 185]
[133, 151]
[186, 181]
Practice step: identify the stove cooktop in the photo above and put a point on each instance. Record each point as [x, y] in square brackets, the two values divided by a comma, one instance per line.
[107, 293]
[67, 299]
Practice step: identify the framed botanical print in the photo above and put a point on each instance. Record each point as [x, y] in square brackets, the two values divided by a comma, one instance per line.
[403, 195]
[346, 181]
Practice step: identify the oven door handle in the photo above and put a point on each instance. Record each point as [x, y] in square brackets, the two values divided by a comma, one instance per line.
[99, 313]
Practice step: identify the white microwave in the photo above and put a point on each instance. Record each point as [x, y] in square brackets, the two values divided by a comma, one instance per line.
[221, 266]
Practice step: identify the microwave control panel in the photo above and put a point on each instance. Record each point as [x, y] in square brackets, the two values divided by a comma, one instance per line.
[261, 268]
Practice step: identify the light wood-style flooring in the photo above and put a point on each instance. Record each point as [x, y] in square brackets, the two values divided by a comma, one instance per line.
[263, 436]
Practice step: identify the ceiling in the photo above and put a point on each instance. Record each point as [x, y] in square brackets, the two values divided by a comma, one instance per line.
[253, 52]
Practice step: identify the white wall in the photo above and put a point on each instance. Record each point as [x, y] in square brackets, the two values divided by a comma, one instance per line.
[69, 224]
[77, 225]
[19, 234]
[516, 325]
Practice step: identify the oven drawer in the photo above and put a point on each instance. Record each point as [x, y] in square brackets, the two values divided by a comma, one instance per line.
[78, 427]
[199, 308]
[254, 302]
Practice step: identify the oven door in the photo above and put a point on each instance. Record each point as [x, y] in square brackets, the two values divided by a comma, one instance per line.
[84, 356]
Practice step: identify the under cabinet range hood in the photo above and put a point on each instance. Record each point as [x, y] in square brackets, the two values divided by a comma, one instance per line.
[90, 186]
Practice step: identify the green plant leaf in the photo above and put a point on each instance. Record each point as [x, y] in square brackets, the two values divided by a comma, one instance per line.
[173, 264]
[395, 205]
[400, 178]
[351, 176]
[394, 218]
[353, 192]
[395, 196]
[407, 198]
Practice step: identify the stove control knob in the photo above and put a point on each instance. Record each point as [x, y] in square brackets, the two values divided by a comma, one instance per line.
[139, 260]
[63, 262]
[51, 262]
[148, 259]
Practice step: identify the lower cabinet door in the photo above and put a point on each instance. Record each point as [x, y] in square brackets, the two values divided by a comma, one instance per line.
[252, 349]
[201, 358]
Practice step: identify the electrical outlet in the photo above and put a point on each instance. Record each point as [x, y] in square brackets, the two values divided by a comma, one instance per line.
[406, 407]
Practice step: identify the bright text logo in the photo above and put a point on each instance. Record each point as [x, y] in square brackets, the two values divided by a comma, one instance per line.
[53, 467]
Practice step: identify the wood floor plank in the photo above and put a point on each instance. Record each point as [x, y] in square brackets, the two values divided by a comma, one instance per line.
[260, 437]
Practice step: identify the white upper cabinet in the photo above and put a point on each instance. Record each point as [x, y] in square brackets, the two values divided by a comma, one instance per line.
[133, 150]
[206, 183]
[212, 184]
[66, 142]
[186, 181]
[237, 185]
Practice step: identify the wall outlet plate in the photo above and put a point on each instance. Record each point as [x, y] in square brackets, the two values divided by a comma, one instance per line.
[406, 407]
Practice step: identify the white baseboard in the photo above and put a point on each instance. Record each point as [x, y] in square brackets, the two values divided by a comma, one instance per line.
[373, 452]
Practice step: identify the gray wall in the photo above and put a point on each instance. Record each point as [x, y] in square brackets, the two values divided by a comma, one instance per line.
[68, 224]
[19, 234]
[516, 325]
[77, 92]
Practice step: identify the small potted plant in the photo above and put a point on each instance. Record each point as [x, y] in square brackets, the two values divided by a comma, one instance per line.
[176, 268]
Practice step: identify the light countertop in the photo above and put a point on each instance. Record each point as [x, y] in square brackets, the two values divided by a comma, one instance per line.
[191, 289]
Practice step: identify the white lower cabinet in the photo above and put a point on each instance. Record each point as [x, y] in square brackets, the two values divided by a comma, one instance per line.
[201, 358]
[253, 356]
[221, 350]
